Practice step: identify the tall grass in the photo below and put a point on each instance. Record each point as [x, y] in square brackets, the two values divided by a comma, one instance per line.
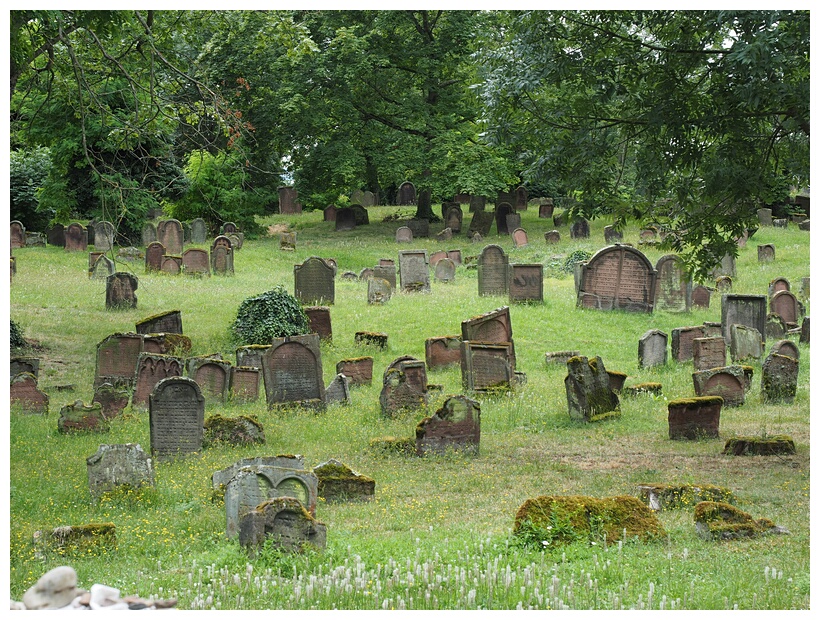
[438, 533]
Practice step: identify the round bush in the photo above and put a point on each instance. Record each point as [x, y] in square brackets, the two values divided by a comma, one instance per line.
[16, 337]
[274, 314]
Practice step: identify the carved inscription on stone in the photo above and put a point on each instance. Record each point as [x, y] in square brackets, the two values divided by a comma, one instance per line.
[176, 417]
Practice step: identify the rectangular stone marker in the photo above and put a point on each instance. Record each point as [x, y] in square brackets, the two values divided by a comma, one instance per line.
[120, 291]
[169, 322]
[404, 386]
[414, 272]
[24, 393]
[76, 238]
[764, 216]
[682, 338]
[319, 321]
[442, 351]
[486, 366]
[694, 418]
[289, 201]
[314, 282]
[493, 270]
[708, 353]
[171, 265]
[745, 344]
[103, 236]
[154, 253]
[251, 355]
[212, 376]
[56, 235]
[117, 357]
[292, 370]
[526, 283]
[199, 231]
[481, 223]
[195, 261]
[456, 426]
[743, 310]
[386, 272]
[118, 465]
[244, 384]
[176, 414]
[673, 290]
[494, 327]
[358, 369]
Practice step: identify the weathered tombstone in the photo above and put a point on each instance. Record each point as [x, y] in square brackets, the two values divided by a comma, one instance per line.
[345, 219]
[365, 274]
[519, 237]
[701, 296]
[617, 277]
[319, 321]
[229, 228]
[502, 210]
[505, 197]
[436, 256]
[154, 253]
[521, 198]
[374, 339]
[724, 284]
[419, 228]
[195, 262]
[112, 400]
[149, 233]
[804, 331]
[18, 235]
[786, 305]
[414, 273]
[81, 418]
[445, 270]
[172, 265]
[481, 223]
[169, 234]
[199, 231]
[764, 216]
[24, 393]
[546, 208]
[455, 426]
[176, 415]
[552, 236]
[151, 369]
[708, 353]
[727, 267]
[56, 235]
[120, 291]
[284, 522]
[526, 283]
[513, 222]
[292, 370]
[455, 256]
[350, 276]
[329, 213]
[712, 329]
[103, 236]
[379, 291]
[728, 382]
[289, 201]
[674, 286]
[493, 327]
[124, 465]
[652, 348]
[579, 229]
[102, 268]
[589, 394]
[559, 219]
[444, 235]
[694, 418]
[169, 322]
[338, 390]
[493, 268]
[743, 310]
[117, 357]
[251, 355]
[487, 366]
[611, 235]
[244, 384]
[166, 344]
[745, 344]
[404, 386]
[76, 238]
[212, 376]
[369, 199]
[786, 347]
[222, 256]
[442, 351]
[24, 364]
[782, 222]
[237, 239]
[453, 218]
[765, 253]
[477, 203]
[356, 196]
[682, 338]
[804, 225]
[777, 285]
[339, 483]
[359, 370]
[406, 194]
[360, 214]
[313, 282]
[404, 234]
[776, 327]
[778, 380]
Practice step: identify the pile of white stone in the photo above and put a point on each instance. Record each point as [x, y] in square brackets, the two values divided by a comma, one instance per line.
[57, 589]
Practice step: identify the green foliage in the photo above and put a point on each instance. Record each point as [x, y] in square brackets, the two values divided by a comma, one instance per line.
[274, 314]
[576, 257]
[28, 170]
[17, 341]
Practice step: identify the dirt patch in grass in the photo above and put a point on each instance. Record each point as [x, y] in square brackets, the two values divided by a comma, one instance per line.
[275, 229]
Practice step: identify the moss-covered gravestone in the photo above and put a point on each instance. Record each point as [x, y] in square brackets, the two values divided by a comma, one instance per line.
[671, 496]
[239, 431]
[455, 426]
[778, 382]
[285, 522]
[694, 418]
[339, 483]
[79, 417]
[721, 521]
[589, 395]
[776, 444]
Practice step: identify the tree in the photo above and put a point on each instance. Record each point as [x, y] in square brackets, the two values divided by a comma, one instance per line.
[687, 119]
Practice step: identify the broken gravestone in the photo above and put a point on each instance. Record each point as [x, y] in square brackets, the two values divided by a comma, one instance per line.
[118, 465]
[455, 426]
[589, 395]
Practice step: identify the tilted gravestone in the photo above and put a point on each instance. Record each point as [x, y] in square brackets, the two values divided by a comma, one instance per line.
[282, 523]
[445, 270]
[708, 353]
[442, 351]
[481, 223]
[176, 417]
[195, 262]
[292, 370]
[244, 384]
[24, 364]
[444, 235]
[404, 386]
[493, 270]
[486, 366]
[358, 369]
[17, 233]
[414, 273]
[229, 228]
[526, 283]
[289, 201]
[778, 379]
[149, 233]
[319, 321]
[222, 256]
[786, 305]
[682, 338]
[313, 282]
[102, 268]
[170, 234]
[727, 267]
[339, 483]
[745, 344]
[455, 426]
[113, 400]
[23, 392]
[694, 418]
[212, 376]
[103, 236]
[169, 322]
[502, 210]
[494, 327]
[81, 418]
[199, 231]
[743, 310]
[652, 348]
[513, 221]
[338, 390]
[151, 369]
[406, 194]
[76, 238]
[617, 278]
[673, 291]
[379, 291]
[172, 265]
[360, 214]
[120, 291]
[117, 357]
[589, 395]
[728, 382]
[519, 237]
[154, 253]
[56, 235]
[118, 465]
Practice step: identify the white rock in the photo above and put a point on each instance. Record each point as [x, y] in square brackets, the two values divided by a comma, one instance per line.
[56, 589]
[106, 597]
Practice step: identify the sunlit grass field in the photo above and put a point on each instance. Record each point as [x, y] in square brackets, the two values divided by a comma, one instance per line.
[438, 533]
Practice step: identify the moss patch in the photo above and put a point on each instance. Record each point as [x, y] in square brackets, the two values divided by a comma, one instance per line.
[671, 496]
[742, 446]
[721, 521]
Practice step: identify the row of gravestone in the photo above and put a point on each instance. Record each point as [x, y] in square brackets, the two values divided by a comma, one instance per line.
[173, 234]
[196, 261]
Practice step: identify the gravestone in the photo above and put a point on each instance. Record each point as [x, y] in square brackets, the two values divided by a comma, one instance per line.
[436, 256]
[76, 238]
[445, 270]
[526, 283]
[589, 394]
[212, 376]
[652, 348]
[35, 240]
[339, 483]
[24, 364]
[314, 282]
[356, 196]
[251, 355]
[579, 229]
[345, 219]
[404, 234]
[727, 267]
[375, 339]
[764, 216]
[331, 262]
[727, 382]
[559, 219]
[289, 201]
[701, 296]
[169, 234]
[513, 222]
[283, 524]
[176, 417]
[487, 366]
[708, 353]
[481, 223]
[229, 228]
[552, 236]
[778, 380]
[545, 208]
[786, 305]
[244, 384]
[414, 273]
[81, 418]
[103, 236]
[365, 274]
[102, 268]
[56, 235]
[237, 239]
[199, 231]
[455, 426]
[777, 285]
[493, 268]
[17, 233]
[23, 392]
[723, 284]
[442, 351]
[745, 344]
[120, 291]
[292, 370]
[404, 386]
[694, 418]
[419, 228]
[559, 357]
[674, 286]
[508, 197]
[648, 235]
[444, 235]
[617, 277]
[786, 347]
[149, 233]
[117, 357]
[369, 199]
[502, 210]
[112, 400]
[521, 198]
[154, 253]
[455, 256]
[477, 203]
[358, 369]
[519, 237]
[172, 265]
[151, 369]
[493, 327]
[169, 322]
[386, 272]
[222, 256]
[453, 218]
[360, 214]
[743, 310]
[804, 331]
[350, 276]
[319, 321]
[329, 213]
[776, 327]
[612, 235]
[379, 291]
[338, 390]
[765, 253]
[287, 241]
[682, 338]
[166, 344]
[406, 194]
[124, 465]
[195, 262]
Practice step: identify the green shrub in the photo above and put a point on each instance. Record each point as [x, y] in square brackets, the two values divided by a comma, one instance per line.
[578, 256]
[274, 314]
[17, 341]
